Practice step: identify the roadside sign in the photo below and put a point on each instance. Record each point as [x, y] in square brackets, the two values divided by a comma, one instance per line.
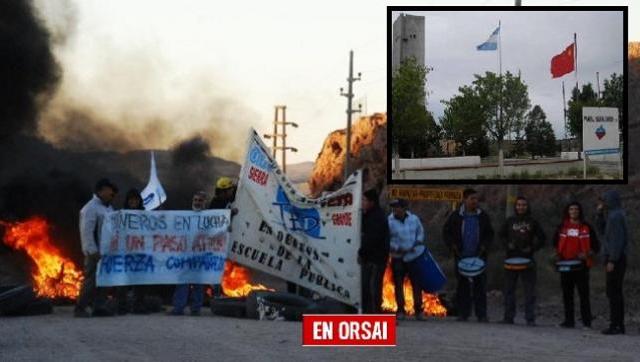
[600, 130]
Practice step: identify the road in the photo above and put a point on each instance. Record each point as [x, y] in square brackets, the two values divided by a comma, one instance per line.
[59, 337]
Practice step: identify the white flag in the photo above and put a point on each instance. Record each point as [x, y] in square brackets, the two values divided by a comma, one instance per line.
[153, 195]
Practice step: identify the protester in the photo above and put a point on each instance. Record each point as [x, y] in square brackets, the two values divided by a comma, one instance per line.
[468, 233]
[223, 198]
[91, 219]
[521, 236]
[133, 201]
[225, 194]
[575, 240]
[181, 294]
[406, 234]
[612, 225]
[374, 251]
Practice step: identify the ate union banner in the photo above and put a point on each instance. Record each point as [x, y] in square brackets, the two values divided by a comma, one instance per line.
[311, 242]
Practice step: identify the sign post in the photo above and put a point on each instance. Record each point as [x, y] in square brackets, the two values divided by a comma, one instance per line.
[600, 132]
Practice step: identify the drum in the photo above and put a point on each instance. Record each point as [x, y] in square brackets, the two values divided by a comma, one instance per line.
[427, 273]
[471, 267]
[564, 266]
[517, 264]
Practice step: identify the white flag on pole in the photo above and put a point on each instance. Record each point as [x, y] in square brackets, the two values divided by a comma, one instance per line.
[153, 194]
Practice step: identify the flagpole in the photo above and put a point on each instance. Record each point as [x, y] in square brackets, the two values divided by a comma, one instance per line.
[575, 56]
[575, 65]
[500, 152]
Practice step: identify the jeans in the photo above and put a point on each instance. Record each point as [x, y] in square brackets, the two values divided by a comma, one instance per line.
[614, 293]
[372, 275]
[400, 270]
[90, 295]
[181, 296]
[472, 287]
[529, 280]
[580, 280]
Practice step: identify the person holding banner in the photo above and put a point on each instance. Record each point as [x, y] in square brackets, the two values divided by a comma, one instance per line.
[612, 225]
[374, 251]
[521, 236]
[223, 198]
[468, 233]
[576, 243]
[181, 294]
[132, 201]
[91, 219]
[407, 233]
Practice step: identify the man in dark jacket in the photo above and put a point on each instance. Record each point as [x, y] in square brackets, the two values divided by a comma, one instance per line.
[522, 236]
[612, 224]
[468, 233]
[374, 251]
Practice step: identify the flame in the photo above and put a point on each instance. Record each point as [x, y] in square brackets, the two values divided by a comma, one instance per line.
[431, 304]
[235, 281]
[55, 275]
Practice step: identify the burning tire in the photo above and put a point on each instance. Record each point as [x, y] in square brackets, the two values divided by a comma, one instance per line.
[229, 307]
[266, 305]
[15, 298]
[36, 307]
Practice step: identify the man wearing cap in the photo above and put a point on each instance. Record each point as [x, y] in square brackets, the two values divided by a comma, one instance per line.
[468, 233]
[91, 218]
[407, 235]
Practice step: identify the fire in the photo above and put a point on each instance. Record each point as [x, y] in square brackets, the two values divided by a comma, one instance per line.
[235, 281]
[55, 275]
[431, 305]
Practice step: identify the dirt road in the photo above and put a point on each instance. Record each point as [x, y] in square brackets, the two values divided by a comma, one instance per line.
[165, 338]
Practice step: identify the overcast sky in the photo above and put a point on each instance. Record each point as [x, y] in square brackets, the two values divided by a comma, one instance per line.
[143, 59]
[529, 40]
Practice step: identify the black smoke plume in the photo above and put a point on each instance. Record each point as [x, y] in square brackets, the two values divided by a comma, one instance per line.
[28, 70]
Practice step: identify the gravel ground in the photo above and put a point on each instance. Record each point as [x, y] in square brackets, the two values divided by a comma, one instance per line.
[59, 336]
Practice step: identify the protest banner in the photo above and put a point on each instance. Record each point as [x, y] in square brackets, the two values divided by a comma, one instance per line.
[163, 247]
[311, 242]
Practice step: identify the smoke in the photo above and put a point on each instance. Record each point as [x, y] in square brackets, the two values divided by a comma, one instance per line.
[28, 69]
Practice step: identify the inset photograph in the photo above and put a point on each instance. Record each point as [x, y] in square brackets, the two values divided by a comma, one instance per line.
[504, 95]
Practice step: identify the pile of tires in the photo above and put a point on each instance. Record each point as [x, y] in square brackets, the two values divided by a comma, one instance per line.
[17, 300]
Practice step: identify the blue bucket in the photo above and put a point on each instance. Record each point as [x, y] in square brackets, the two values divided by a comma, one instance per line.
[427, 273]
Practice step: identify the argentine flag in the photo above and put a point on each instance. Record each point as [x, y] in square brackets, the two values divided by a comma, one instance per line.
[492, 42]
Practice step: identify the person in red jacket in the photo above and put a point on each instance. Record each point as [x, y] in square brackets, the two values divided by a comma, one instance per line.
[576, 240]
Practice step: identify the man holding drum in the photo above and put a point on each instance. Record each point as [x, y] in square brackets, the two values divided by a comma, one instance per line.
[468, 233]
[576, 243]
[522, 236]
[407, 238]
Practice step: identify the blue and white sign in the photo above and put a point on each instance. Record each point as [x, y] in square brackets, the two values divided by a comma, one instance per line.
[600, 130]
[163, 247]
[278, 230]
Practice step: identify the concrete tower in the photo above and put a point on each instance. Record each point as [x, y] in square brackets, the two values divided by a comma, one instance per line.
[408, 39]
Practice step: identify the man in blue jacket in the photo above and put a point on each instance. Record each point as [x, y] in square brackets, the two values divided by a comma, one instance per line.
[468, 233]
[612, 224]
[407, 234]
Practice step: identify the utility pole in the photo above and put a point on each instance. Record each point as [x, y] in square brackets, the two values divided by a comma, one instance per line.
[281, 110]
[350, 111]
[598, 80]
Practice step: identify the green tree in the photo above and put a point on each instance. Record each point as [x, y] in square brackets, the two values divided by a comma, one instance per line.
[613, 93]
[413, 130]
[585, 98]
[539, 133]
[505, 102]
[463, 119]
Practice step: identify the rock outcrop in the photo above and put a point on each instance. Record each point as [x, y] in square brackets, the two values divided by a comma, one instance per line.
[368, 150]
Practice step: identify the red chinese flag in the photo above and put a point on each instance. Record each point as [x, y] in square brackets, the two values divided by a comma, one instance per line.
[562, 63]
